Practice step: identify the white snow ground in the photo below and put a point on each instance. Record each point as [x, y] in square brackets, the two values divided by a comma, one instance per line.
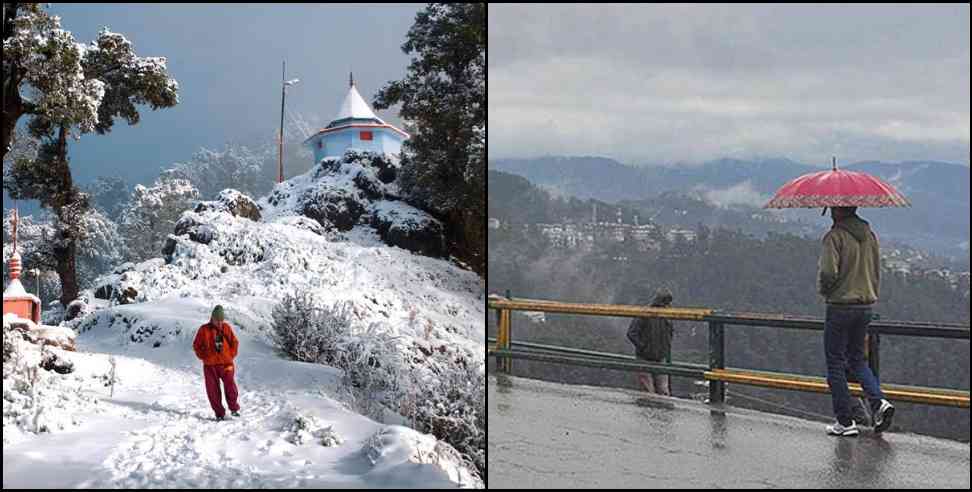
[158, 431]
[154, 432]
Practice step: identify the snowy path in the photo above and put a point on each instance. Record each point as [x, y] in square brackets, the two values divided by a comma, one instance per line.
[158, 430]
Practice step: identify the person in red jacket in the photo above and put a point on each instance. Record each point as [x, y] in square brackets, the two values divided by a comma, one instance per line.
[216, 346]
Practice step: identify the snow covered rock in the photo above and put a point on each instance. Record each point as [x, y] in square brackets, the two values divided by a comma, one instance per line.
[358, 190]
[234, 202]
[408, 228]
[75, 308]
[53, 362]
[195, 230]
[56, 336]
[40, 335]
[307, 224]
[342, 209]
[395, 446]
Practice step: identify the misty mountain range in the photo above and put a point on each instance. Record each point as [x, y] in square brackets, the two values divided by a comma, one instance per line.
[939, 191]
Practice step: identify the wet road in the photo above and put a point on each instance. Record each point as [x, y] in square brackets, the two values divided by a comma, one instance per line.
[544, 435]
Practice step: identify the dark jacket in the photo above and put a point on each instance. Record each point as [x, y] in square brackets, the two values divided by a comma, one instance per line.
[652, 338]
[850, 264]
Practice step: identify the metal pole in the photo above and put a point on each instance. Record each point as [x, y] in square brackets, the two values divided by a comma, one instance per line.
[499, 337]
[3, 96]
[874, 354]
[509, 334]
[503, 342]
[283, 97]
[717, 360]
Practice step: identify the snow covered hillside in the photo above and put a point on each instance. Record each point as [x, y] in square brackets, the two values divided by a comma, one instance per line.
[157, 429]
[337, 233]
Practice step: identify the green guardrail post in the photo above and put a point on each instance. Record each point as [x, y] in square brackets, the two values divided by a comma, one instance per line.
[717, 360]
[874, 348]
[874, 353]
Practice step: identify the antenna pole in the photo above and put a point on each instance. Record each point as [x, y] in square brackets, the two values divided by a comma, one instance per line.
[283, 98]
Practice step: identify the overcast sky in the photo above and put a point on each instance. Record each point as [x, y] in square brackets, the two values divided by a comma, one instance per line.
[227, 59]
[659, 84]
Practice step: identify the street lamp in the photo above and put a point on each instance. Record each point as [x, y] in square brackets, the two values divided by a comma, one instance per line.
[283, 97]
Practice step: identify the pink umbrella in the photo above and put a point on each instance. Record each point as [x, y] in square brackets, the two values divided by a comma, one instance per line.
[837, 188]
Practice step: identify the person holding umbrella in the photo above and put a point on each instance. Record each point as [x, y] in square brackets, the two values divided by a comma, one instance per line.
[849, 280]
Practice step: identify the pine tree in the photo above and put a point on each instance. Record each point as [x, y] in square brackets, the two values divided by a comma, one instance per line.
[72, 88]
[444, 96]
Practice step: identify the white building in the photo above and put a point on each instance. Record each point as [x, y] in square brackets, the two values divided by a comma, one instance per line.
[685, 234]
[494, 223]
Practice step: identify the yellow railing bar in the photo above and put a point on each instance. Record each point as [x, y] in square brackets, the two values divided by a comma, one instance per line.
[685, 314]
[950, 398]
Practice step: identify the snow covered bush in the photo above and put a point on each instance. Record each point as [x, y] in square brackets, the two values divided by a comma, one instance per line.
[8, 341]
[307, 428]
[308, 332]
[369, 357]
[451, 407]
[373, 367]
[37, 400]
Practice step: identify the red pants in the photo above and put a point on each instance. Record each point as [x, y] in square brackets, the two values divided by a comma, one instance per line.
[215, 374]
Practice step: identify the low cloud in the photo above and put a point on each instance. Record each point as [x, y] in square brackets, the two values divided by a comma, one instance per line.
[740, 194]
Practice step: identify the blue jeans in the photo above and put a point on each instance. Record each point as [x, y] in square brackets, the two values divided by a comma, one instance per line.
[844, 344]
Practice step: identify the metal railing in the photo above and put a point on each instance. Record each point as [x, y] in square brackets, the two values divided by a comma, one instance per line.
[505, 350]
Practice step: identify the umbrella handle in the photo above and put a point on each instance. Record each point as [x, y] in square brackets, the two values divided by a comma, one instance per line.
[824, 212]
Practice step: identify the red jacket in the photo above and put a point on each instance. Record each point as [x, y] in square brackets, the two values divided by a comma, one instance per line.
[205, 344]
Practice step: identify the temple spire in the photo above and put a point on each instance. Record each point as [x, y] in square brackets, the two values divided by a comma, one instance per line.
[13, 223]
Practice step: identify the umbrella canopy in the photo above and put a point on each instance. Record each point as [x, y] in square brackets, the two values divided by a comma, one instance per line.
[837, 188]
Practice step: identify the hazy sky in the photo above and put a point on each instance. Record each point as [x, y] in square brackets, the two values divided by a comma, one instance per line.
[668, 83]
[227, 59]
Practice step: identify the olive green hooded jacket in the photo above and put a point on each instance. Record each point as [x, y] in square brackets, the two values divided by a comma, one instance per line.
[850, 265]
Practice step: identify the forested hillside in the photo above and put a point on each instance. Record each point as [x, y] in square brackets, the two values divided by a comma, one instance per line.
[733, 271]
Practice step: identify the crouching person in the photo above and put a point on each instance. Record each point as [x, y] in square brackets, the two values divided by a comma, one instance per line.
[217, 346]
[652, 338]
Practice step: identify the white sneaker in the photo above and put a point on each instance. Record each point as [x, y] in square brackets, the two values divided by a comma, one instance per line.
[883, 417]
[841, 431]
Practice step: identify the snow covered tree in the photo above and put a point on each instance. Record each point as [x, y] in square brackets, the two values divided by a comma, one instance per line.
[444, 96]
[35, 236]
[249, 169]
[109, 195]
[152, 213]
[64, 85]
[99, 251]
[237, 166]
[42, 72]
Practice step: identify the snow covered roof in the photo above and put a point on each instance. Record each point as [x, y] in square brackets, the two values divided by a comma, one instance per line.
[354, 106]
[355, 113]
[16, 291]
